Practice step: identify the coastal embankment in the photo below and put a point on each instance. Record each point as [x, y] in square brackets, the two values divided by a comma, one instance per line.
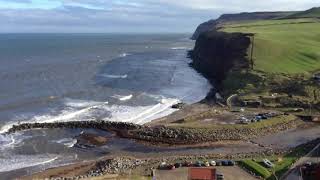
[162, 135]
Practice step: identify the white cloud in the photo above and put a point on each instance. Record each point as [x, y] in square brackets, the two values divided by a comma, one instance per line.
[129, 15]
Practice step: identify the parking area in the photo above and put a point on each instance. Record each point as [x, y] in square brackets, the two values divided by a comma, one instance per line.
[229, 172]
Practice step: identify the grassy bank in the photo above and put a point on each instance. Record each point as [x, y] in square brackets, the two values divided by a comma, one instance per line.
[284, 46]
[285, 54]
[282, 163]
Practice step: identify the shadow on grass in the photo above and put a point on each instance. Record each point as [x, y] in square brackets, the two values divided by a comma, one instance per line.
[242, 80]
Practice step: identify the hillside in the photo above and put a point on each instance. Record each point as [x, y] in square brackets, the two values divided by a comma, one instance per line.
[253, 16]
[241, 17]
[283, 46]
[311, 13]
[285, 54]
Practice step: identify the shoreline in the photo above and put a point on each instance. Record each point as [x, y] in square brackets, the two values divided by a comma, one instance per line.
[115, 166]
[170, 138]
[200, 125]
[159, 134]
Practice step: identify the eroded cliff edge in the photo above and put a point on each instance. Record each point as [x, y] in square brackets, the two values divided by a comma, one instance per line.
[216, 24]
[217, 53]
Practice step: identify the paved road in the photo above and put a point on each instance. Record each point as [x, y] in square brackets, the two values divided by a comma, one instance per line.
[313, 156]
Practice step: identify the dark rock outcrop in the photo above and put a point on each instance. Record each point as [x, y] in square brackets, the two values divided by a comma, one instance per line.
[216, 53]
[178, 106]
[91, 139]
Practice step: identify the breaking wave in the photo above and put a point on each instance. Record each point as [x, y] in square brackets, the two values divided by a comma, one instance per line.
[79, 110]
[23, 161]
[69, 142]
[114, 76]
[180, 48]
[123, 98]
[124, 55]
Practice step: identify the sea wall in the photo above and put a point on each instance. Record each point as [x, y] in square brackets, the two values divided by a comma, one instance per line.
[103, 125]
[165, 135]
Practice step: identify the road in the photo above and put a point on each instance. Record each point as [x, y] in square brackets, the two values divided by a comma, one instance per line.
[313, 156]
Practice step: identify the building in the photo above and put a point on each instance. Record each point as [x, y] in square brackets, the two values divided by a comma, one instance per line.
[202, 174]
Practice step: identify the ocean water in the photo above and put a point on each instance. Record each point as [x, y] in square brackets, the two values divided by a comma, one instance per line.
[76, 77]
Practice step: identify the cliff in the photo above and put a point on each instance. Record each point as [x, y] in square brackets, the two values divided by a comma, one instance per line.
[241, 17]
[216, 53]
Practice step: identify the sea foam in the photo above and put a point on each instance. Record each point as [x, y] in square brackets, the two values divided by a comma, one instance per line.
[69, 142]
[180, 48]
[114, 76]
[124, 55]
[123, 98]
[22, 161]
[79, 110]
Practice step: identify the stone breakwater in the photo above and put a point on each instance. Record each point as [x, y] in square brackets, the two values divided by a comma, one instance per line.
[103, 125]
[166, 135]
[183, 136]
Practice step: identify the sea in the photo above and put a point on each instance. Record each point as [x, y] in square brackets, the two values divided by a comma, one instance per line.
[86, 77]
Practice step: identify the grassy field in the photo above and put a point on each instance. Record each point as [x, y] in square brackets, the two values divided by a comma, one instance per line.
[284, 46]
[282, 163]
[255, 167]
[286, 53]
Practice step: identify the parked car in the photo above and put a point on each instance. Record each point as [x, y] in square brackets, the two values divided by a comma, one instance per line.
[163, 165]
[213, 163]
[218, 163]
[316, 76]
[267, 163]
[231, 163]
[178, 165]
[308, 164]
[206, 164]
[171, 167]
[225, 163]
[220, 177]
[187, 164]
[199, 164]
[244, 120]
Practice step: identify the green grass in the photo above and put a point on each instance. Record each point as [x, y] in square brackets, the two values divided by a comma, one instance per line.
[280, 167]
[255, 168]
[284, 46]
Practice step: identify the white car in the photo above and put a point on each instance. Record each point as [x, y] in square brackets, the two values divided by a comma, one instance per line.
[244, 120]
[213, 163]
[268, 163]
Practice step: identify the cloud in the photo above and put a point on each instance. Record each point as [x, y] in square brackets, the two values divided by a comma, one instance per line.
[126, 15]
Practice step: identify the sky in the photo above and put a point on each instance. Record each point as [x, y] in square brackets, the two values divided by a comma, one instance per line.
[123, 16]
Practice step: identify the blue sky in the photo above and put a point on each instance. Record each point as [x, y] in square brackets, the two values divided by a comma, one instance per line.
[127, 15]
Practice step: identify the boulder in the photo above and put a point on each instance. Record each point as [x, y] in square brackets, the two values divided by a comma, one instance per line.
[178, 106]
[92, 139]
